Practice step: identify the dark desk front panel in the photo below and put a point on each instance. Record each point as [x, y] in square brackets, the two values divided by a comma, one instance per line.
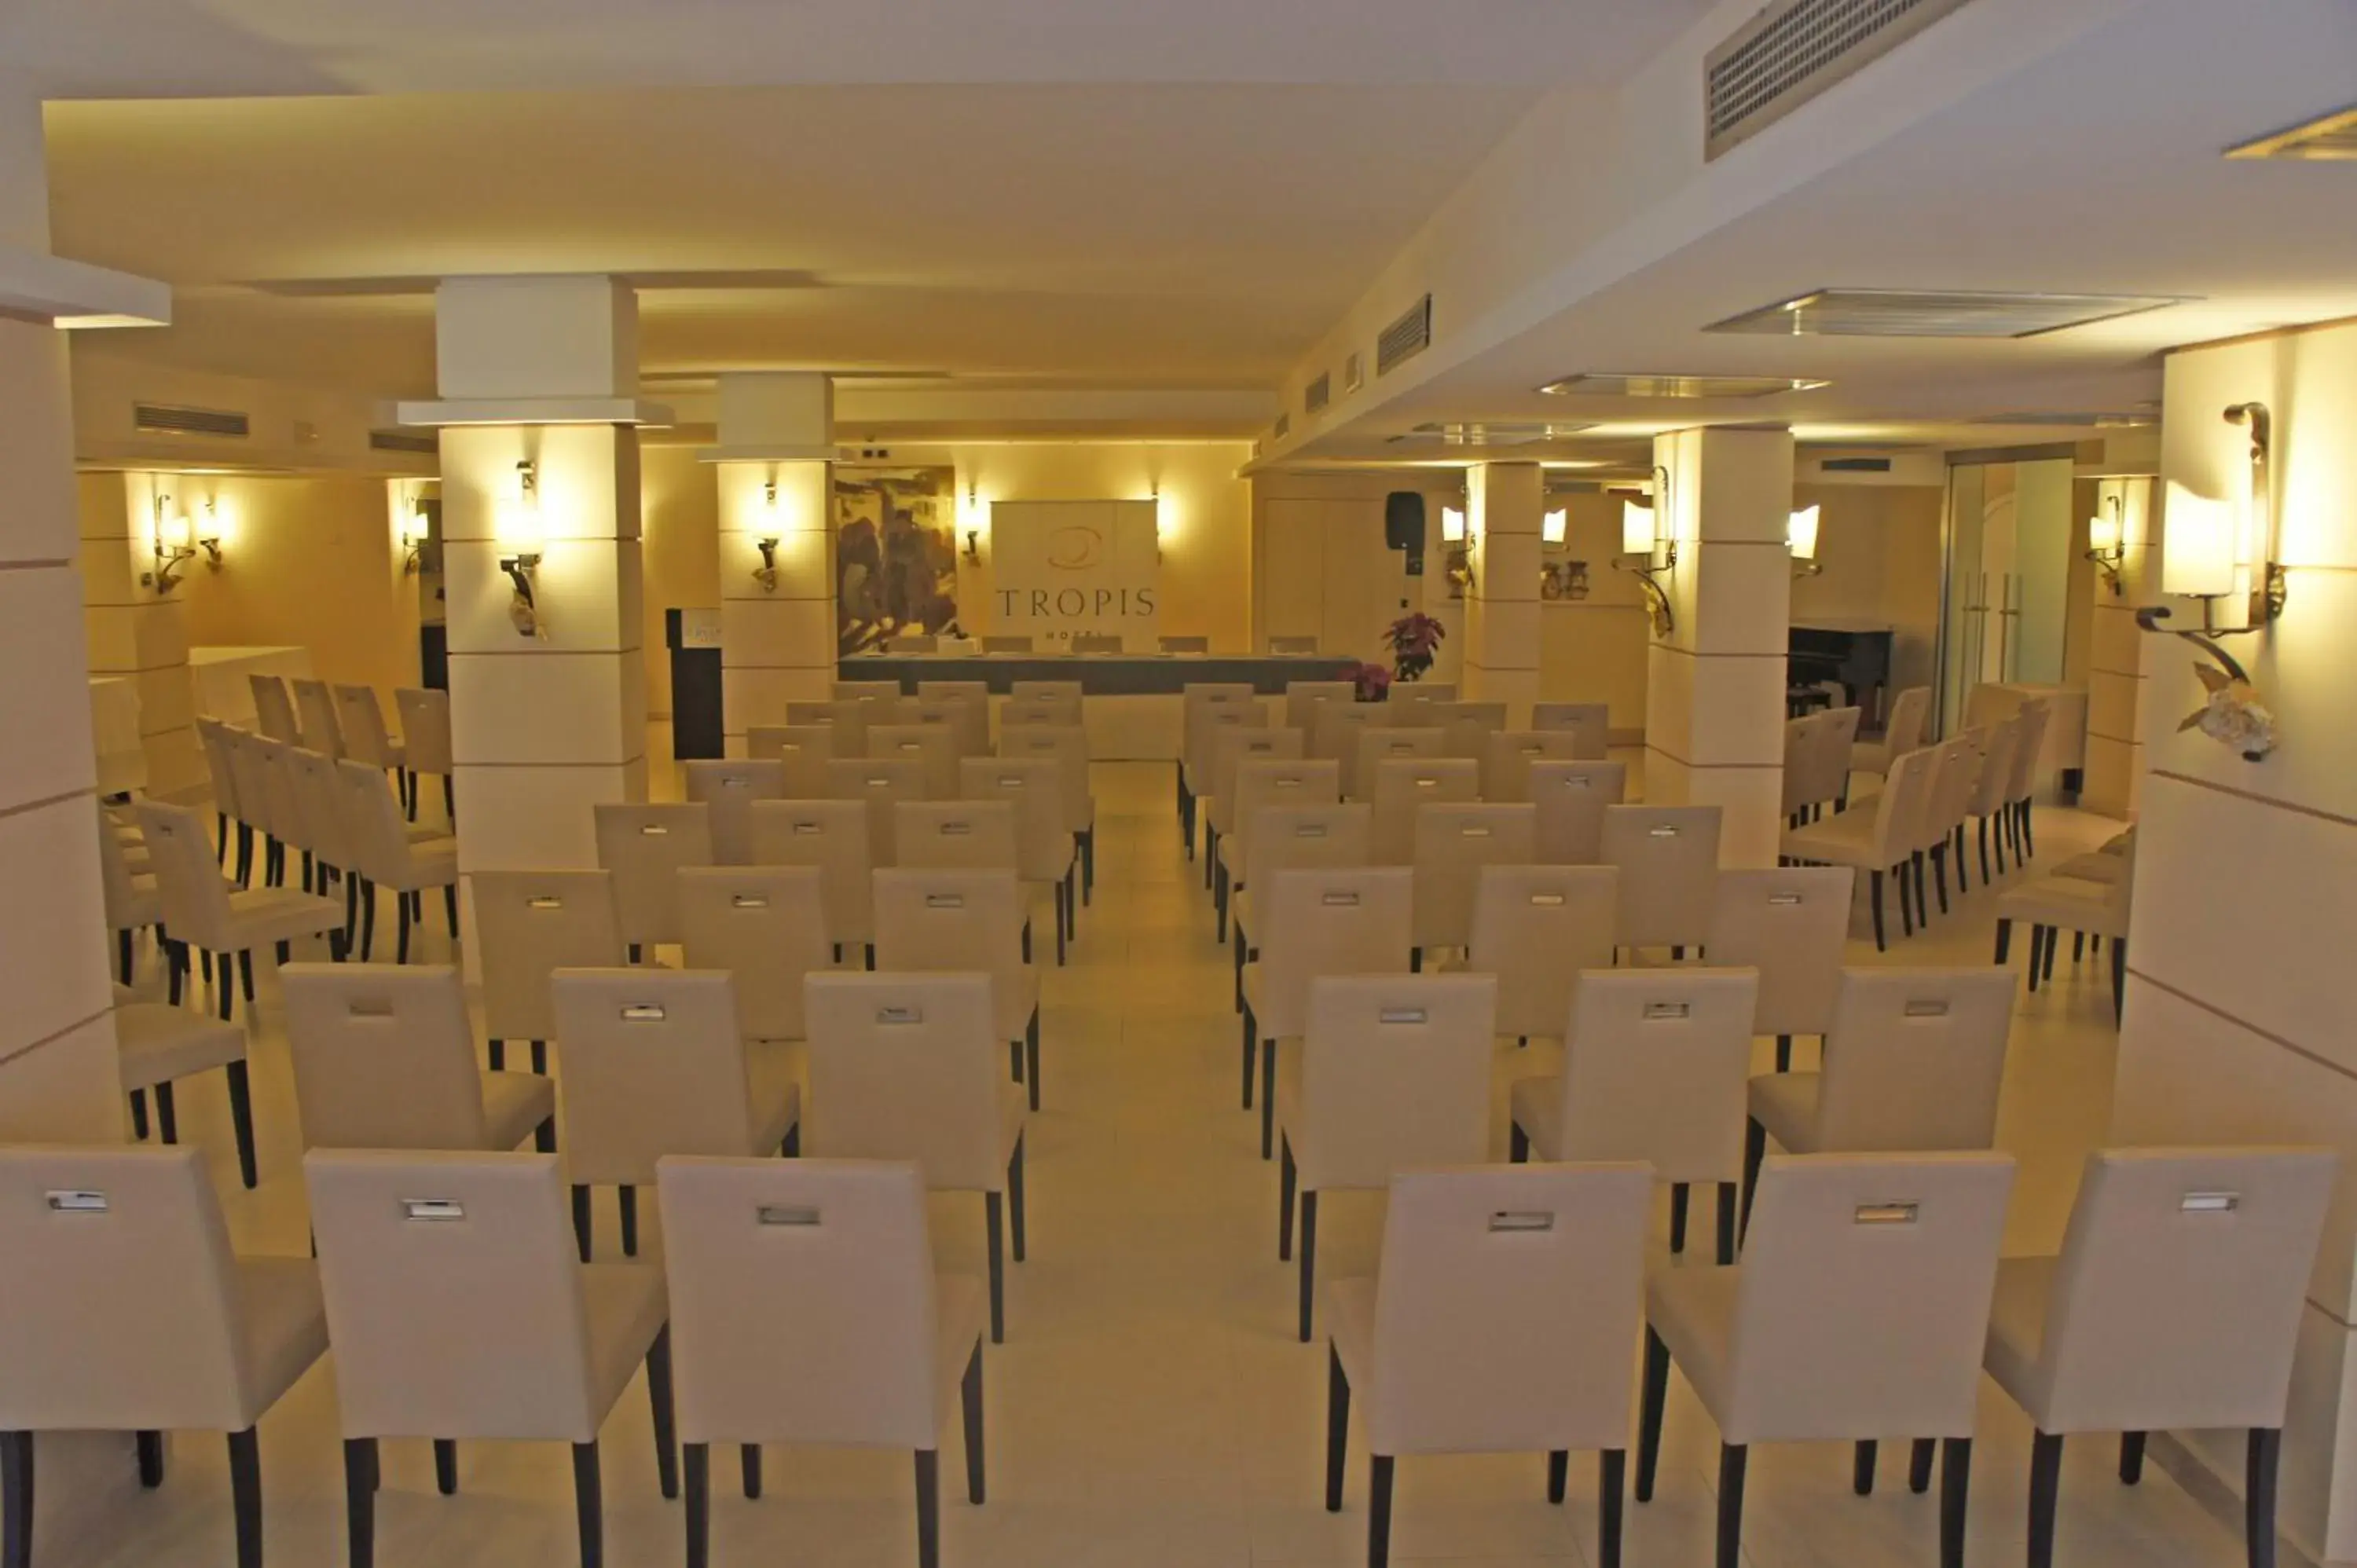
[1100, 675]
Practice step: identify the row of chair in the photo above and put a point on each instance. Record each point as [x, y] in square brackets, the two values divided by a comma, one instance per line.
[345, 721]
[1085, 642]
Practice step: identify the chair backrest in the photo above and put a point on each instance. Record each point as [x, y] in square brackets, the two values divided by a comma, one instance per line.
[803, 1305]
[454, 1295]
[1571, 797]
[861, 690]
[2178, 1293]
[1204, 717]
[767, 926]
[249, 765]
[1453, 844]
[1668, 857]
[882, 782]
[121, 1308]
[1334, 731]
[323, 730]
[1801, 734]
[1791, 924]
[188, 882]
[1955, 769]
[1826, 767]
[1507, 1303]
[833, 836]
[935, 746]
[424, 727]
[115, 883]
[1406, 694]
[1405, 739]
[215, 737]
[729, 788]
[846, 717]
[1034, 788]
[1657, 1069]
[1538, 928]
[376, 833]
[1394, 1076]
[654, 1065]
[908, 1066]
[1185, 644]
[1008, 642]
[274, 710]
[955, 834]
[1020, 689]
[1326, 920]
[1297, 781]
[529, 925]
[1908, 711]
[1310, 835]
[1069, 745]
[1304, 698]
[1863, 1303]
[361, 720]
[2029, 746]
[1468, 726]
[804, 748]
[955, 690]
[1591, 722]
[326, 826]
[644, 844]
[1232, 746]
[968, 719]
[1508, 756]
[1399, 787]
[954, 920]
[384, 1057]
[1293, 645]
[1914, 1059]
[1040, 708]
[1996, 775]
[1900, 808]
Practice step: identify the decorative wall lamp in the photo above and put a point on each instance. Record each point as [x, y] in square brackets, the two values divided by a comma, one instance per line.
[523, 567]
[1454, 534]
[209, 540]
[2107, 544]
[1555, 527]
[173, 547]
[1800, 538]
[416, 528]
[1646, 553]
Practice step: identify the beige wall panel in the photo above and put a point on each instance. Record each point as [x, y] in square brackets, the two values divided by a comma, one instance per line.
[547, 708]
[45, 700]
[53, 966]
[64, 1090]
[538, 818]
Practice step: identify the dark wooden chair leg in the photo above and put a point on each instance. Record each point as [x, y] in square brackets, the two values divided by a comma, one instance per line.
[1955, 1485]
[1919, 1464]
[1649, 1417]
[446, 1466]
[2045, 1489]
[1518, 1144]
[1031, 1059]
[1611, 1481]
[581, 1220]
[1728, 1203]
[499, 1056]
[929, 1508]
[150, 1445]
[970, 1407]
[16, 1499]
[1309, 1261]
[993, 1223]
[139, 1113]
[659, 1399]
[1015, 1204]
[1248, 1057]
[629, 1202]
[241, 1115]
[697, 1457]
[2003, 938]
[1733, 1459]
[1679, 1196]
[360, 1501]
[1337, 1428]
[2265, 1454]
[1559, 1474]
[2131, 1459]
[1754, 1153]
[749, 1469]
[245, 1495]
[167, 1118]
[1379, 1511]
[588, 1505]
[1286, 1184]
[1861, 1468]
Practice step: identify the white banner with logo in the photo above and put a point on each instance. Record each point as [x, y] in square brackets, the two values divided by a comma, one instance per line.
[1063, 568]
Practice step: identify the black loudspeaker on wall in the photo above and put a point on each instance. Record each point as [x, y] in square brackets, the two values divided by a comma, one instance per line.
[1403, 522]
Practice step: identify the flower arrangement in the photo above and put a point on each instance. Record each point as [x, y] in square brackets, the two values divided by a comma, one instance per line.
[1414, 641]
[2233, 715]
[1372, 680]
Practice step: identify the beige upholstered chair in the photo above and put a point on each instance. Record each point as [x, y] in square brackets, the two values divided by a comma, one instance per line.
[1334, 733]
[266, 805]
[1257, 785]
[1501, 1319]
[1538, 928]
[213, 739]
[384, 853]
[805, 1310]
[1205, 709]
[1454, 845]
[362, 719]
[728, 790]
[1068, 743]
[1399, 741]
[882, 783]
[766, 925]
[1571, 797]
[1902, 731]
[1039, 708]
[1407, 694]
[2052, 905]
[319, 823]
[1392, 1075]
[942, 835]
[1072, 689]
[1654, 1069]
[1327, 832]
[846, 716]
[930, 734]
[385, 1059]
[2028, 752]
[133, 903]
[274, 710]
[1468, 726]
[804, 748]
[1507, 757]
[425, 737]
[2175, 1304]
[529, 925]
[1875, 835]
[1954, 773]
[1303, 699]
[1045, 855]
[1231, 747]
[1857, 1314]
[125, 1310]
[459, 1310]
[1791, 924]
[323, 726]
[1988, 802]
[1668, 857]
[1322, 920]
[964, 714]
[643, 846]
[157, 1045]
[865, 691]
[832, 836]
[905, 1066]
[655, 1064]
[1400, 786]
[965, 922]
[1816, 762]
[202, 911]
[1913, 1060]
[1591, 722]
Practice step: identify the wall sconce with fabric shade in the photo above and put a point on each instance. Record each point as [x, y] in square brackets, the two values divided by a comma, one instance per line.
[1643, 551]
[1555, 527]
[2107, 544]
[1452, 525]
[1800, 538]
[416, 528]
[212, 534]
[521, 527]
[1637, 530]
[173, 544]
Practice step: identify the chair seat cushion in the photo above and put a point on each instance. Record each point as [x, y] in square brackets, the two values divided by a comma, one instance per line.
[1536, 1105]
[143, 908]
[628, 1307]
[1786, 1104]
[284, 1321]
[159, 1043]
[1846, 838]
[264, 915]
[1693, 1310]
[432, 863]
[2016, 1332]
[1350, 1330]
[2067, 902]
[514, 1103]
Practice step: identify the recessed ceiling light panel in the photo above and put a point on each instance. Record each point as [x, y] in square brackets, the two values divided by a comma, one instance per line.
[1480, 434]
[2329, 137]
[1604, 383]
[1935, 313]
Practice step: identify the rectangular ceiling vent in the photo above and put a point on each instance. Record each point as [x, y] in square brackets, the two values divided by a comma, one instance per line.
[2070, 419]
[1318, 393]
[1854, 465]
[1283, 426]
[1404, 339]
[404, 441]
[1794, 51]
[2329, 138]
[160, 419]
[1935, 313]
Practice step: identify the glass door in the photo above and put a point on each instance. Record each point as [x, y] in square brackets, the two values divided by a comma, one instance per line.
[2010, 529]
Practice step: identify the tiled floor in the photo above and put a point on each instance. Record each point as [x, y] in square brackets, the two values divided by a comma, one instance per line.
[1150, 1406]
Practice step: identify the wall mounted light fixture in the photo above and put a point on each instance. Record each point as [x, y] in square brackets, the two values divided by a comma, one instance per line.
[1555, 527]
[1800, 538]
[416, 528]
[173, 546]
[766, 574]
[209, 540]
[523, 567]
[1458, 569]
[2107, 544]
[1646, 553]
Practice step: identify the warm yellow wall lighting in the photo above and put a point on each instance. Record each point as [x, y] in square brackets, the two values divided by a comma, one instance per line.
[1555, 527]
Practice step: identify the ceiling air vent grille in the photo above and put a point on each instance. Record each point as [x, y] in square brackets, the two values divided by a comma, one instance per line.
[1791, 52]
[1404, 339]
[1318, 393]
[1935, 313]
[1855, 465]
[404, 441]
[160, 419]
